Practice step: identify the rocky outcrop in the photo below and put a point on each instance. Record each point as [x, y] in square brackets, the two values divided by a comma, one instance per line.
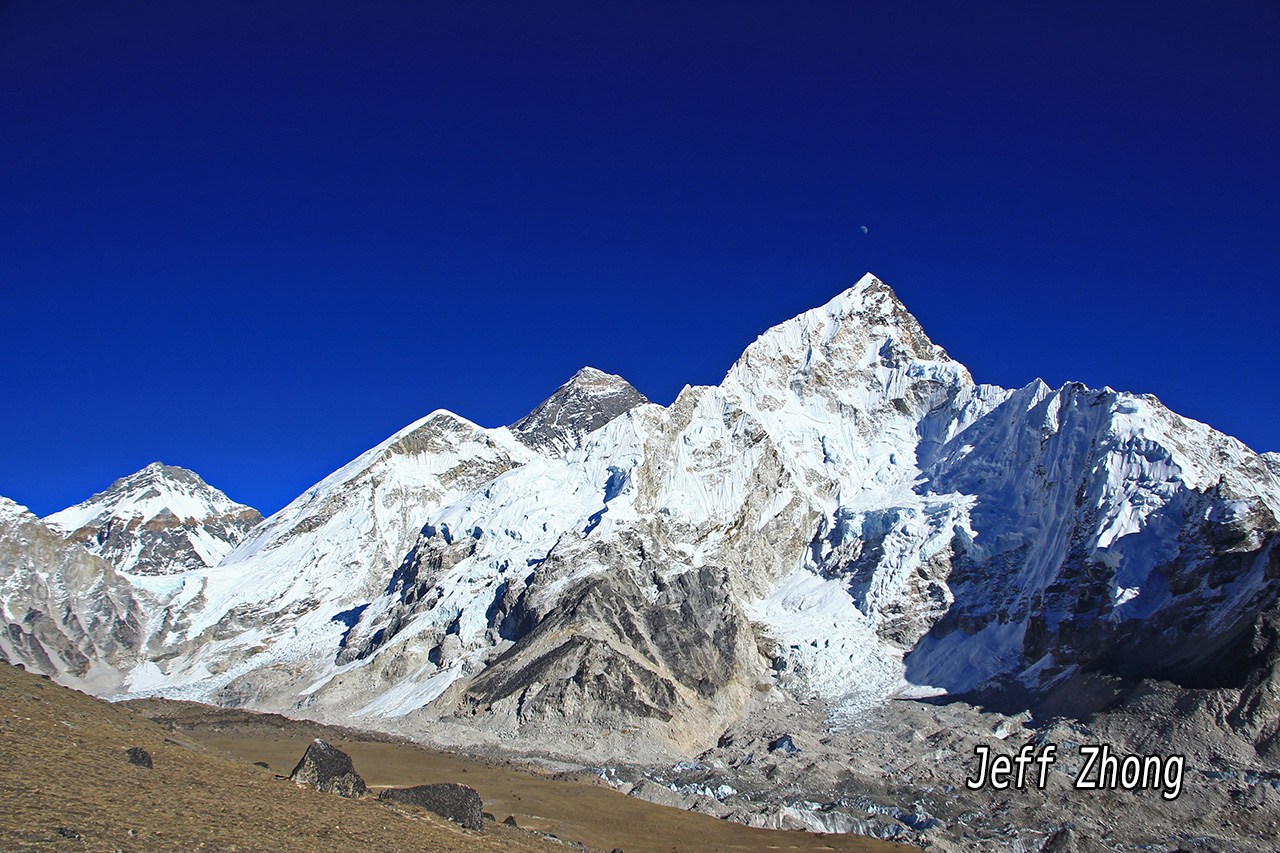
[458, 803]
[161, 520]
[668, 657]
[328, 770]
[64, 612]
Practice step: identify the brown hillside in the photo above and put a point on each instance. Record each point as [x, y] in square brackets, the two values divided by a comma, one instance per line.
[66, 785]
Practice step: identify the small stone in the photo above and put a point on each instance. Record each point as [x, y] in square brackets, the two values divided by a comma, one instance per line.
[139, 756]
[328, 770]
[456, 802]
[262, 764]
[68, 833]
[510, 821]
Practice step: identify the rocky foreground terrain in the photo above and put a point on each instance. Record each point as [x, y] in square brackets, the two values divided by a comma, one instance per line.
[67, 784]
[217, 780]
[898, 771]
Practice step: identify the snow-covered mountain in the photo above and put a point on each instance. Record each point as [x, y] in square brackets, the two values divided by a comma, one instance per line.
[848, 514]
[280, 603]
[65, 612]
[158, 521]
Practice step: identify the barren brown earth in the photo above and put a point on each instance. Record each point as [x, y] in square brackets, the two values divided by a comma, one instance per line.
[577, 808]
[66, 785]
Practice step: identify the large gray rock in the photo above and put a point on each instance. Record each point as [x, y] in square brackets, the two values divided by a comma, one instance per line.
[139, 756]
[330, 770]
[456, 802]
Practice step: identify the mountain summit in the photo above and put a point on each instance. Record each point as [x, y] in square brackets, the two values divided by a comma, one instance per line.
[580, 406]
[158, 521]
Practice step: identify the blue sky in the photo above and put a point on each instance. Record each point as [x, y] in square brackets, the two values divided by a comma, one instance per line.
[254, 239]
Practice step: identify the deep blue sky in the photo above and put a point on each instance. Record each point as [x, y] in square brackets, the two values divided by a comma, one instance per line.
[254, 239]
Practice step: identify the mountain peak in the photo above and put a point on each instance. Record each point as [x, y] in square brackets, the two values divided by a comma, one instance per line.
[591, 378]
[589, 400]
[156, 472]
[863, 329]
[157, 520]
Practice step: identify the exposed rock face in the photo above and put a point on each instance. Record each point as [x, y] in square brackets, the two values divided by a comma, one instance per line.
[65, 612]
[161, 520]
[581, 406]
[617, 654]
[328, 770]
[458, 803]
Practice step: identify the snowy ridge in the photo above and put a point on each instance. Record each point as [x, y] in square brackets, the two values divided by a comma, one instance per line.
[277, 598]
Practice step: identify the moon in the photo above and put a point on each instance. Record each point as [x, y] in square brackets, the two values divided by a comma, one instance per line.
[864, 229]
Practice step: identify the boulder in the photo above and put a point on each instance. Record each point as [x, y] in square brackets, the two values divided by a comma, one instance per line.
[1067, 840]
[456, 802]
[329, 770]
[783, 743]
[139, 756]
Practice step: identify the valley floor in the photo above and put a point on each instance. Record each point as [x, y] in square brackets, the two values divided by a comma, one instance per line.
[65, 785]
[898, 771]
